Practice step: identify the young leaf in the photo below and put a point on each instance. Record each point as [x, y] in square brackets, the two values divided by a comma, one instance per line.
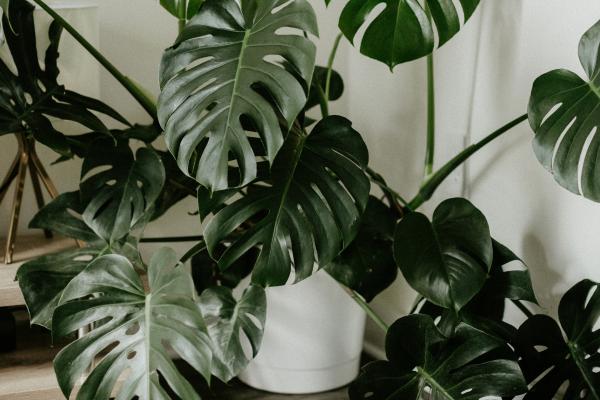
[122, 196]
[313, 204]
[422, 360]
[564, 112]
[30, 98]
[403, 31]
[43, 280]
[445, 260]
[227, 320]
[218, 72]
[139, 329]
[550, 359]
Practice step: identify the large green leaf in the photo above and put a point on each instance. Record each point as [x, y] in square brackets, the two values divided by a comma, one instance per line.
[367, 265]
[43, 280]
[119, 190]
[551, 360]
[424, 364]
[31, 97]
[226, 66]
[230, 324]
[486, 311]
[63, 216]
[138, 328]
[445, 260]
[306, 214]
[403, 31]
[564, 112]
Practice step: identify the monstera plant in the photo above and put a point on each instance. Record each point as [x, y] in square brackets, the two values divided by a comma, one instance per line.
[282, 192]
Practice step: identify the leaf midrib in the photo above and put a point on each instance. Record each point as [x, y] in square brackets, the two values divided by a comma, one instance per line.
[580, 363]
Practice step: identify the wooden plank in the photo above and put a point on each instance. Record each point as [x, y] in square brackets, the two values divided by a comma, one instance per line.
[27, 247]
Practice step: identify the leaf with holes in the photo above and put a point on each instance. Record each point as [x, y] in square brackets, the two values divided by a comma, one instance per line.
[225, 67]
[308, 211]
[119, 190]
[231, 323]
[367, 265]
[43, 280]
[552, 360]
[564, 112]
[135, 333]
[32, 97]
[63, 216]
[403, 31]
[425, 364]
[445, 260]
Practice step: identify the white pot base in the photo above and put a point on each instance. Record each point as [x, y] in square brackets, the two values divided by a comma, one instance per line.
[289, 381]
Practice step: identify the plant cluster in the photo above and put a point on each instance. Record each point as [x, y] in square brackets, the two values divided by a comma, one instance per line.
[283, 195]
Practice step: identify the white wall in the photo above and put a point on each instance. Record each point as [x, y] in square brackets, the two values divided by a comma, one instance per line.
[478, 91]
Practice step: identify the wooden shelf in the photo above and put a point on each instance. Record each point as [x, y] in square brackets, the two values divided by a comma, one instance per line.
[27, 247]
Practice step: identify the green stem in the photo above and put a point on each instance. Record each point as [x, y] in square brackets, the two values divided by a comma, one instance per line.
[430, 150]
[182, 12]
[139, 95]
[366, 307]
[323, 102]
[171, 239]
[523, 308]
[197, 248]
[435, 180]
[334, 50]
[392, 196]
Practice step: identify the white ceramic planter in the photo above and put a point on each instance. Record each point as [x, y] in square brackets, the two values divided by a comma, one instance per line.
[313, 339]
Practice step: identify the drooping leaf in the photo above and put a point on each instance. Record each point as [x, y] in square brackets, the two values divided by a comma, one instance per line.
[138, 328]
[425, 364]
[63, 216]
[30, 98]
[306, 214]
[403, 31]
[227, 320]
[367, 265]
[217, 73]
[564, 112]
[550, 358]
[122, 196]
[445, 260]
[43, 280]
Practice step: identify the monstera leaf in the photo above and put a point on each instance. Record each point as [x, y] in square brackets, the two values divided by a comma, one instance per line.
[403, 31]
[31, 97]
[486, 311]
[227, 65]
[445, 260]
[312, 204]
[63, 216]
[139, 328]
[227, 320]
[550, 359]
[43, 280]
[424, 364]
[367, 266]
[564, 112]
[122, 196]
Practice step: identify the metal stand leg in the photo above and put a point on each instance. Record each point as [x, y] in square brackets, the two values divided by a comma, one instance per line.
[26, 158]
[16, 208]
